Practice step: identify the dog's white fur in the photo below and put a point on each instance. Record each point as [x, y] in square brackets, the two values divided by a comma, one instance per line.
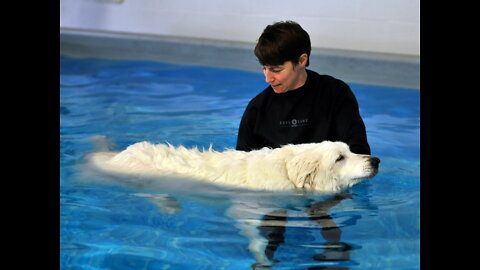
[326, 166]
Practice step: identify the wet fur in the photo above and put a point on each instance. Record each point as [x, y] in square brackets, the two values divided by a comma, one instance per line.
[326, 166]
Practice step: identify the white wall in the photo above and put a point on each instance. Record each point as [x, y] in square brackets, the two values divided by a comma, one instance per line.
[387, 26]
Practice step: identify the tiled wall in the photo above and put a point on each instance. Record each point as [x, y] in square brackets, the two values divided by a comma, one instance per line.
[387, 26]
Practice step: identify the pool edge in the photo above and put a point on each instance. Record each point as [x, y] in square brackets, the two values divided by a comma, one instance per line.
[351, 66]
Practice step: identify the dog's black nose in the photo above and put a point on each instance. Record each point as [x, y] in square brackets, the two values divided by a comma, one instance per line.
[374, 161]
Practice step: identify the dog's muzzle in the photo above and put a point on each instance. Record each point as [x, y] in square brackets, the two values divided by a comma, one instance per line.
[374, 161]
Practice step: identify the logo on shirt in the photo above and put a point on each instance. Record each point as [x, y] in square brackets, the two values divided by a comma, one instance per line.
[294, 123]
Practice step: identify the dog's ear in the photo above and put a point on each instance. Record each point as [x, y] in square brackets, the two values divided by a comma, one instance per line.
[302, 170]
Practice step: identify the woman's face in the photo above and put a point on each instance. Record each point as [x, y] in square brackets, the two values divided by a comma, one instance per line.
[286, 77]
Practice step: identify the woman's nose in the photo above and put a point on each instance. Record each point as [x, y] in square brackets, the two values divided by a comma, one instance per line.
[268, 76]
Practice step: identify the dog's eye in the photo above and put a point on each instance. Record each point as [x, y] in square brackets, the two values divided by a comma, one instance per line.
[341, 157]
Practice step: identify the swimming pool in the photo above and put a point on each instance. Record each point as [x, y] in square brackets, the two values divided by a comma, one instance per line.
[112, 226]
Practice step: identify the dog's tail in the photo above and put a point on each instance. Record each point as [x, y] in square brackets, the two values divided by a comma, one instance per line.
[89, 166]
[101, 143]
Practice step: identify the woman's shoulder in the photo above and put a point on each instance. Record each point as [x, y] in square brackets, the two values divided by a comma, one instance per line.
[325, 79]
[328, 85]
[260, 98]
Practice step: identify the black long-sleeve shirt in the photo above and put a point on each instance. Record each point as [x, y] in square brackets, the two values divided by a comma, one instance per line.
[324, 108]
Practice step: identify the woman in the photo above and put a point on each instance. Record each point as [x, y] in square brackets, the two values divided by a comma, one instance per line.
[299, 105]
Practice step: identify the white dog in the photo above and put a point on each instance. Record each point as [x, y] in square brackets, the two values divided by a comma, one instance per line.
[326, 166]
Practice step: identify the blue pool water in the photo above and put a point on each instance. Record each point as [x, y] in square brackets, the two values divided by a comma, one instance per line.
[114, 226]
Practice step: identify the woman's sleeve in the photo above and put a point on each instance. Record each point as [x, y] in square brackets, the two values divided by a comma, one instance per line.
[246, 140]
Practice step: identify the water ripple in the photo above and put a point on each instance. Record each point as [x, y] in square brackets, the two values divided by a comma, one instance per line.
[107, 226]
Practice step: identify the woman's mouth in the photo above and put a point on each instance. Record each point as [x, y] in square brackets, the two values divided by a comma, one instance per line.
[274, 86]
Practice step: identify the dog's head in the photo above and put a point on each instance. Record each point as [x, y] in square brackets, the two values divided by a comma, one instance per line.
[328, 166]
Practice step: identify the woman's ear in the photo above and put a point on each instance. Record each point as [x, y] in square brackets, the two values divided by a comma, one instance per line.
[303, 60]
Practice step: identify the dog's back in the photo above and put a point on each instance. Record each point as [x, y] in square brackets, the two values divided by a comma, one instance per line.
[326, 166]
[256, 169]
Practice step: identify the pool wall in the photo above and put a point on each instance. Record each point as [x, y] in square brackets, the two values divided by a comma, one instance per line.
[361, 25]
[352, 66]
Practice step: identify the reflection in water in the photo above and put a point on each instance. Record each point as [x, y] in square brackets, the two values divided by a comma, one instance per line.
[264, 218]
[273, 228]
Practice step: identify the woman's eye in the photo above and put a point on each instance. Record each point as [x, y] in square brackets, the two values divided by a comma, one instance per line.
[273, 69]
[341, 157]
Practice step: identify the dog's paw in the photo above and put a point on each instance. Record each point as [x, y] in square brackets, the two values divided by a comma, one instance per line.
[167, 204]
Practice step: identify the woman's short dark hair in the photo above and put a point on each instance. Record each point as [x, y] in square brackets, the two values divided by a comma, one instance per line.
[281, 42]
